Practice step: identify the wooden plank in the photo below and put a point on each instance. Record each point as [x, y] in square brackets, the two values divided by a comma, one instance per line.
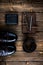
[15, 63]
[24, 63]
[24, 59]
[34, 63]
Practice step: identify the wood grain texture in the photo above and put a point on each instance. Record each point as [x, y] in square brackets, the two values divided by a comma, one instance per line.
[25, 63]
[21, 57]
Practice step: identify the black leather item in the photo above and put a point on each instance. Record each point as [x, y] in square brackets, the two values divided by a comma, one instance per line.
[29, 24]
[29, 45]
[7, 37]
[7, 50]
[7, 43]
[11, 17]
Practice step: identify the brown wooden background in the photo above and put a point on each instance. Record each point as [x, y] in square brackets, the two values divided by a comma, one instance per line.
[21, 57]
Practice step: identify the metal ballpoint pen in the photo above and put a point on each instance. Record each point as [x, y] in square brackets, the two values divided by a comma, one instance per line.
[31, 23]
